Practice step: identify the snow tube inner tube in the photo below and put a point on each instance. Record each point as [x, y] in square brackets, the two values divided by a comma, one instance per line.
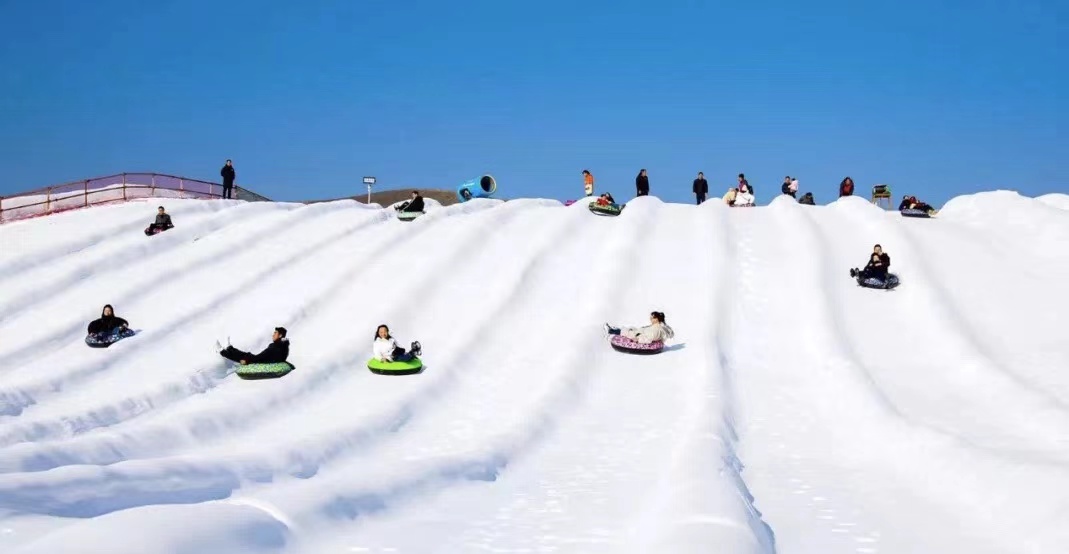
[408, 216]
[623, 344]
[610, 210]
[875, 283]
[910, 212]
[415, 365]
[264, 371]
[101, 340]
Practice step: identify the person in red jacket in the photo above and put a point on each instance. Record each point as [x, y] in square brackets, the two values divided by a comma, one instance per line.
[846, 187]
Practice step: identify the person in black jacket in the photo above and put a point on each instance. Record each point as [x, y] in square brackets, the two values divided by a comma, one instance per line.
[786, 188]
[162, 223]
[642, 184]
[743, 181]
[228, 174]
[807, 199]
[108, 324]
[414, 205]
[700, 187]
[276, 352]
[877, 267]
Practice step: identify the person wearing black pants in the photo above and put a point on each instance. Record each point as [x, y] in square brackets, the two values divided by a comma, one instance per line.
[701, 187]
[228, 174]
[642, 184]
[276, 352]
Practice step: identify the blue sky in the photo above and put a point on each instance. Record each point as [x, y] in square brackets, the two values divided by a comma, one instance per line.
[936, 97]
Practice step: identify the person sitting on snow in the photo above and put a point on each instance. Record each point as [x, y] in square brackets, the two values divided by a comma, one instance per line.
[807, 198]
[386, 349]
[414, 205]
[276, 352]
[656, 331]
[879, 262]
[606, 199]
[108, 324]
[162, 223]
[744, 197]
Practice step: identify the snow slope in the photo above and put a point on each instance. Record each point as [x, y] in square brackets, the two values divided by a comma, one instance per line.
[794, 412]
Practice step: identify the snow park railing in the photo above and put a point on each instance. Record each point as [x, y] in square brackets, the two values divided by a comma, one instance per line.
[110, 189]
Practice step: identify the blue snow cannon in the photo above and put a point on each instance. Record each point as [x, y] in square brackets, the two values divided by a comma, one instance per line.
[483, 187]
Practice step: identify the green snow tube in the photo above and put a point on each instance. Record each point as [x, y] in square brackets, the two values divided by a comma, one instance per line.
[611, 209]
[395, 368]
[264, 371]
[408, 216]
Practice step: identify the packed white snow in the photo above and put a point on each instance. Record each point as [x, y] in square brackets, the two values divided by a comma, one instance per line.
[793, 412]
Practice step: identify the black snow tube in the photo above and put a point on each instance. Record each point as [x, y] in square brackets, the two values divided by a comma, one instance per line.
[910, 212]
[876, 283]
[104, 340]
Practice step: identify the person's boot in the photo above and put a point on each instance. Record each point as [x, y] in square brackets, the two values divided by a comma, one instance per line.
[853, 272]
[415, 348]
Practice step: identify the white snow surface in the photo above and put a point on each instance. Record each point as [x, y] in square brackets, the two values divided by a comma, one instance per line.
[793, 412]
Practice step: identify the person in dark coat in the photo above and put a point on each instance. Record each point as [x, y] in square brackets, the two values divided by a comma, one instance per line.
[642, 184]
[807, 199]
[743, 181]
[414, 205]
[911, 203]
[786, 188]
[700, 187]
[228, 174]
[162, 223]
[108, 324]
[276, 352]
[879, 262]
[846, 187]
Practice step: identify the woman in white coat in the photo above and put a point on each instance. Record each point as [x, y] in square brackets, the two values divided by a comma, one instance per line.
[656, 331]
[386, 349]
[744, 197]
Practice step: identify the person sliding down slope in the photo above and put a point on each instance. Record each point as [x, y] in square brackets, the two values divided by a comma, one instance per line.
[877, 267]
[162, 223]
[911, 203]
[276, 352]
[656, 331]
[107, 325]
[414, 205]
[606, 199]
[385, 347]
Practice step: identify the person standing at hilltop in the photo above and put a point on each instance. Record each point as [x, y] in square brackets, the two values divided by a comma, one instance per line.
[701, 187]
[228, 174]
[642, 184]
[588, 182]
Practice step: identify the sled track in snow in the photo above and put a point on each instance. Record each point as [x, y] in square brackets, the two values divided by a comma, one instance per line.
[770, 425]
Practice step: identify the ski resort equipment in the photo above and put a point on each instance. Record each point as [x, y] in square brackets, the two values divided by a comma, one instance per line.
[483, 187]
[101, 340]
[264, 371]
[610, 210]
[874, 283]
[911, 212]
[621, 343]
[408, 216]
[395, 368]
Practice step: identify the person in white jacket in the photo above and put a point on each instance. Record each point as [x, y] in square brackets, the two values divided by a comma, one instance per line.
[744, 197]
[385, 347]
[656, 331]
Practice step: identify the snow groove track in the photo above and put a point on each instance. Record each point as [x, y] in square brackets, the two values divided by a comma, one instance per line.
[793, 412]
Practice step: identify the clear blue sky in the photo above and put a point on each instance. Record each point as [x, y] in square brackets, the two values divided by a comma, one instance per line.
[937, 98]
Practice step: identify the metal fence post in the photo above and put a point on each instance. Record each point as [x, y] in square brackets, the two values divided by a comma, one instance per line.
[85, 189]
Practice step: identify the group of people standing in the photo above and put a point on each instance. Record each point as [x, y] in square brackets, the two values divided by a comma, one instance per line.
[741, 195]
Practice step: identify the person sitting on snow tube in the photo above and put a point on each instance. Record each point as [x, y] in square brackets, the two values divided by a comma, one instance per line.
[807, 199]
[275, 353]
[414, 205]
[606, 199]
[162, 223]
[386, 349]
[744, 197]
[911, 203]
[656, 331]
[879, 262]
[108, 325]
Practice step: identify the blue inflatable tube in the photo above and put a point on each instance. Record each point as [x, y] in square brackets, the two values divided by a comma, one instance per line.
[483, 187]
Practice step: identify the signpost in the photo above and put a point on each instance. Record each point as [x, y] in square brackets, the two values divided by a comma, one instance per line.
[369, 181]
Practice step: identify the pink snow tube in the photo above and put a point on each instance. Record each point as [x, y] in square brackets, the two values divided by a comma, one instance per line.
[624, 344]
